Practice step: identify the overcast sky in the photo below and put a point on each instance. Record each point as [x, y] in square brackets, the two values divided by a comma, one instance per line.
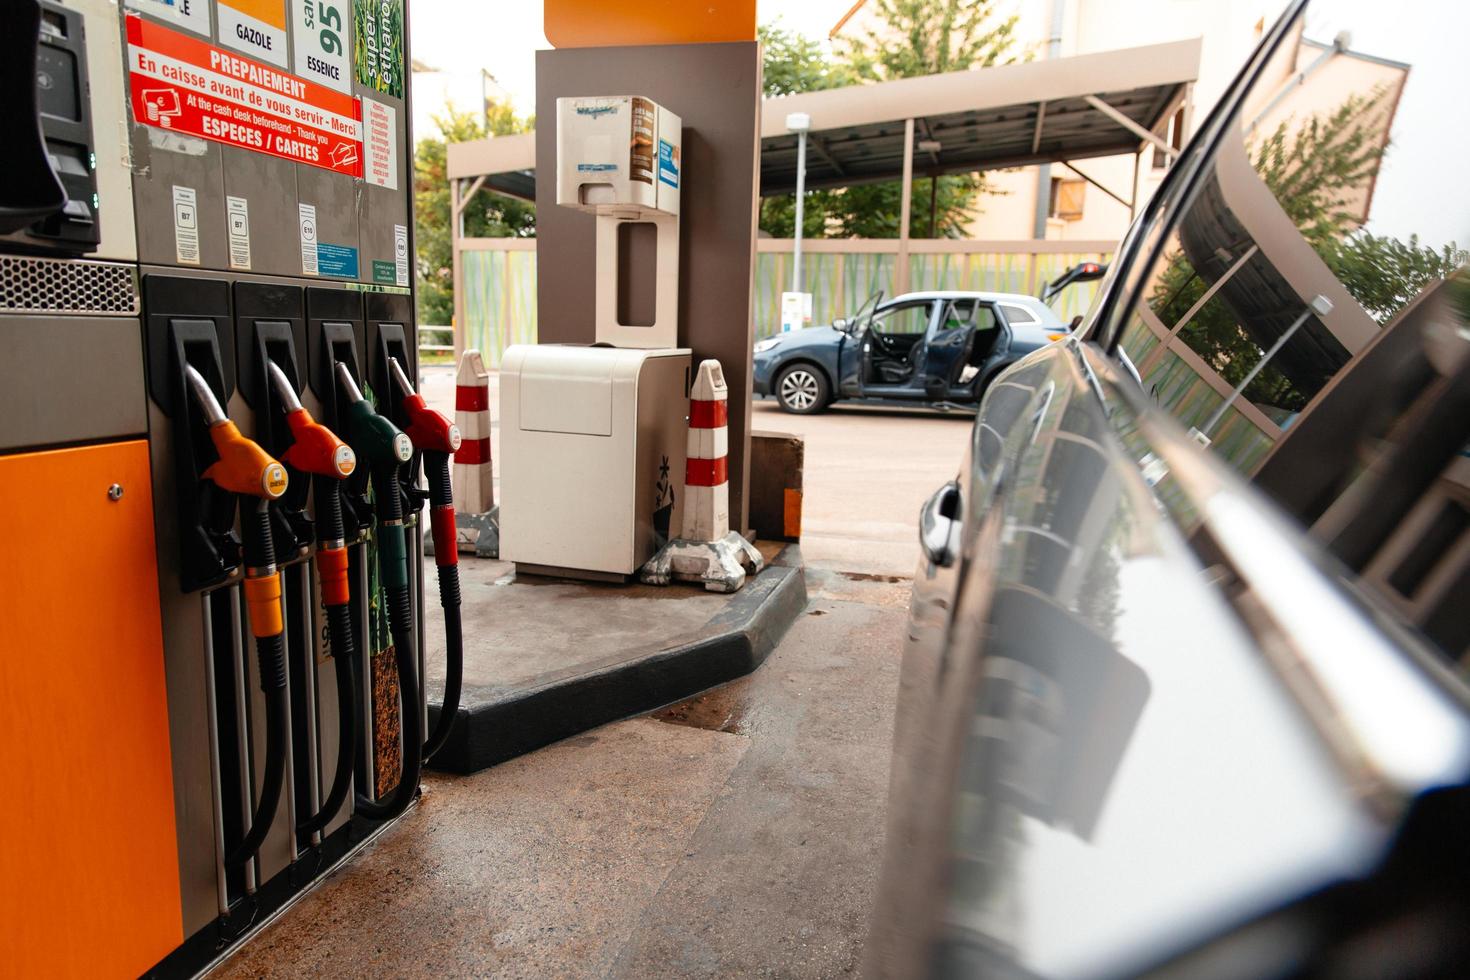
[1421, 188]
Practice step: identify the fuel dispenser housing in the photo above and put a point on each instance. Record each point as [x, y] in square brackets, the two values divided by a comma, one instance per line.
[141, 236]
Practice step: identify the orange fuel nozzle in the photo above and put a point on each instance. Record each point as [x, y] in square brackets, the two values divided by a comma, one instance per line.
[314, 448]
[243, 467]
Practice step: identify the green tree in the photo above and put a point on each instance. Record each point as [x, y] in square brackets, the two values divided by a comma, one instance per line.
[1384, 274]
[488, 215]
[795, 63]
[924, 37]
[910, 38]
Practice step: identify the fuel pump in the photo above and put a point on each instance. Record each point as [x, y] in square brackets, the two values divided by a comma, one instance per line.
[385, 448]
[243, 468]
[316, 451]
[437, 438]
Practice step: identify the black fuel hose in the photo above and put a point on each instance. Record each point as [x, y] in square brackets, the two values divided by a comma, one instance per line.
[330, 533]
[260, 561]
[393, 571]
[441, 497]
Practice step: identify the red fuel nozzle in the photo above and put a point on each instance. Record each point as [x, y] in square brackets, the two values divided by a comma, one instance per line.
[430, 431]
[314, 448]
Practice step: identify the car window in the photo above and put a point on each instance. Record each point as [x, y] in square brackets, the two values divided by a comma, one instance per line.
[960, 314]
[909, 318]
[1016, 315]
[1319, 220]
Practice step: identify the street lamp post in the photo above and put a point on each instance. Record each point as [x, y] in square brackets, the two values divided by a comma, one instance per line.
[796, 306]
[799, 123]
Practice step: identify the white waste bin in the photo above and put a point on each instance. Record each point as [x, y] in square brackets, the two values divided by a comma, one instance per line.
[593, 443]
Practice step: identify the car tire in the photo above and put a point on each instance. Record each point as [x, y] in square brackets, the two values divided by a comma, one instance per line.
[802, 389]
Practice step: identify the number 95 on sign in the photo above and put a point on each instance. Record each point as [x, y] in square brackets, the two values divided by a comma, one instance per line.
[321, 49]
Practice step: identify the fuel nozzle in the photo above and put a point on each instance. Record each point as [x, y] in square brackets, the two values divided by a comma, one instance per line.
[385, 448]
[438, 438]
[315, 449]
[246, 469]
[429, 430]
[382, 444]
[243, 467]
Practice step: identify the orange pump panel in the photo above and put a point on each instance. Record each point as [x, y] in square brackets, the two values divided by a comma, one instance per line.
[89, 875]
[600, 23]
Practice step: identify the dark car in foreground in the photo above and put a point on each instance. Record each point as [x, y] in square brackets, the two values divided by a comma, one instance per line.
[1184, 691]
[938, 349]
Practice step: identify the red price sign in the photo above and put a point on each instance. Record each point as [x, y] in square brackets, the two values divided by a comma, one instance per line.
[189, 86]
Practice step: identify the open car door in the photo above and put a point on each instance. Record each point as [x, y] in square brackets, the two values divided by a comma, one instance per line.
[964, 340]
[852, 360]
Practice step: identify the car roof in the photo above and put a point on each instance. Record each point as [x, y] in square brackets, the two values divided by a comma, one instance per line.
[966, 294]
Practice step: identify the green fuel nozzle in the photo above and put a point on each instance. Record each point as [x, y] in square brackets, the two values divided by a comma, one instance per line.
[385, 448]
[374, 438]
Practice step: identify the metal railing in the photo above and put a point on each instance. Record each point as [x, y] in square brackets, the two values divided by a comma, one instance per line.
[443, 333]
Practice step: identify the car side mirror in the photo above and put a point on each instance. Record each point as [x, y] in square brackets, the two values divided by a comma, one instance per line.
[841, 323]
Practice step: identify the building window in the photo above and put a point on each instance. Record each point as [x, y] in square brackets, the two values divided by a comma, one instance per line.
[1174, 136]
[1067, 197]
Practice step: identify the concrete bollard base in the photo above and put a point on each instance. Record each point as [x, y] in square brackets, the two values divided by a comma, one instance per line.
[476, 534]
[720, 565]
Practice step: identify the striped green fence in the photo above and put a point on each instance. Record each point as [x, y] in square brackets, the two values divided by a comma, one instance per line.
[499, 300]
[500, 286]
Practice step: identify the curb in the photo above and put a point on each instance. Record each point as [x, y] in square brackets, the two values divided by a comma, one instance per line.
[731, 645]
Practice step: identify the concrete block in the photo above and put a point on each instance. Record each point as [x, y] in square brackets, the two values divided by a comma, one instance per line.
[777, 460]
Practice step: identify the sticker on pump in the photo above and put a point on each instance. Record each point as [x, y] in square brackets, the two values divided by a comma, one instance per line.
[190, 86]
[403, 447]
[345, 460]
[257, 27]
[320, 41]
[454, 437]
[273, 480]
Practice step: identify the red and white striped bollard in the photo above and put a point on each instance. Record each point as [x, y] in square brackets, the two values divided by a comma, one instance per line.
[476, 519]
[708, 551]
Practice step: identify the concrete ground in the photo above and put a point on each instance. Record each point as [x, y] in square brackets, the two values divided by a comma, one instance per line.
[868, 471]
[735, 834]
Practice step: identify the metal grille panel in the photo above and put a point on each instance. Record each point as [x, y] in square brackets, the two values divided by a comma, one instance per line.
[40, 285]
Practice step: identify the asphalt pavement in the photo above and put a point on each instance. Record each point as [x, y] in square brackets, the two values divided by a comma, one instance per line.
[735, 834]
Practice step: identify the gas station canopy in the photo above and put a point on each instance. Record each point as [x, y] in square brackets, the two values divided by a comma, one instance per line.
[1092, 105]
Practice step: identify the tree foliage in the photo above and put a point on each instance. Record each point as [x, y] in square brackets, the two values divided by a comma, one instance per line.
[488, 215]
[795, 63]
[924, 37]
[1384, 274]
[909, 38]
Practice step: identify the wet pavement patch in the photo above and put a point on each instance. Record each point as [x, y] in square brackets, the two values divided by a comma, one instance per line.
[716, 711]
[869, 577]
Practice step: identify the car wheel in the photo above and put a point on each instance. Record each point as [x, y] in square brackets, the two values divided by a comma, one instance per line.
[802, 389]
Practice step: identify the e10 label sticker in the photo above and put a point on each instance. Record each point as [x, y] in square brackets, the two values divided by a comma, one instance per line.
[377, 44]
